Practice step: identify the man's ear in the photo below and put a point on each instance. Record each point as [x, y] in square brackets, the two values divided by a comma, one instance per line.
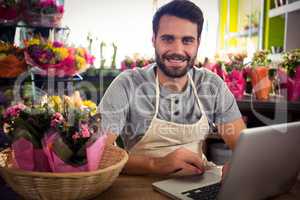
[153, 40]
[199, 41]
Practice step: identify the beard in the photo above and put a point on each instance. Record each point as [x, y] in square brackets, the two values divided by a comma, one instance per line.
[174, 72]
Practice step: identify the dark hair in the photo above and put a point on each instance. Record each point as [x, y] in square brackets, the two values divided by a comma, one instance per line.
[179, 8]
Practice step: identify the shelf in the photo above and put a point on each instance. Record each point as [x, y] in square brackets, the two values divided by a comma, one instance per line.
[242, 34]
[248, 104]
[29, 26]
[295, 6]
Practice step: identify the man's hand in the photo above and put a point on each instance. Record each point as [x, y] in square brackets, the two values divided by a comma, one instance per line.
[181, 160]
[225, 170]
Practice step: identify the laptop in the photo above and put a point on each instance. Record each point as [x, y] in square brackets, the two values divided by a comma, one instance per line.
[265, 163]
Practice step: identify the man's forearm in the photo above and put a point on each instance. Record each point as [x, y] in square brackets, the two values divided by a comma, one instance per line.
[231, 131]
[140, 165]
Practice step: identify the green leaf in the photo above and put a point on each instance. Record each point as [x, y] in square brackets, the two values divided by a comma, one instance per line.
[62, 150]
[23, 133]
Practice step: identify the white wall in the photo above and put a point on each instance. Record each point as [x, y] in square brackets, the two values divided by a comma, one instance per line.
[128, 23]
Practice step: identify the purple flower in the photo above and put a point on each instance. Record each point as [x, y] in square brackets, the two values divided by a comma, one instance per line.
[57, 44]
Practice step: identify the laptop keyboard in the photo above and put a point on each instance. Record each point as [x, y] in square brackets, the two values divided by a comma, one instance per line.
[204, 193]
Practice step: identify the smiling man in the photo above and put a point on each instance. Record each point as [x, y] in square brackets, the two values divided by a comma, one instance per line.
[163, 113]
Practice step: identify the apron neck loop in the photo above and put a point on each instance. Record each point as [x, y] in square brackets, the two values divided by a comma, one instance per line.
[157, 94]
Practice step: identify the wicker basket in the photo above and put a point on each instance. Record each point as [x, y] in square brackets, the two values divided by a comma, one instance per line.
[50, 186]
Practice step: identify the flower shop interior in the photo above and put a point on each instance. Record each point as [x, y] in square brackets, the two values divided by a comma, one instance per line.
[70, 51]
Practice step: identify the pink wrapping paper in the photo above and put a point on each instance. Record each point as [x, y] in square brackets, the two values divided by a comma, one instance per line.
[65, 68]
[29, 158]
[23, 150]
[94, 155]
[236, 83]
[291, 84]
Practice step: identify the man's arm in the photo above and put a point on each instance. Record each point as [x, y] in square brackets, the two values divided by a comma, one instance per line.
[230, 132]
[181, 159]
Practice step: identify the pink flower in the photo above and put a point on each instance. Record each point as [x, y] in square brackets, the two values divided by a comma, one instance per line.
[133, 65]
[46, 3]
[297, 73]
[57, 119]
[89, 58]
[216, 68]
[236, 83]
[123, 66]
[85, 131]
[60, 9]
[14, 111]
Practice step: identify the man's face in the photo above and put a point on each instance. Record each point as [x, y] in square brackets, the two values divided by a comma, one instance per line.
[176, 45]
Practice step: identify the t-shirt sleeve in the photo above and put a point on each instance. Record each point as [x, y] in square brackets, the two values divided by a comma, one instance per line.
[114, 106]
[226, 107]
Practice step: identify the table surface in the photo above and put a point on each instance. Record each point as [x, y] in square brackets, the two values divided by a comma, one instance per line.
[139, 187]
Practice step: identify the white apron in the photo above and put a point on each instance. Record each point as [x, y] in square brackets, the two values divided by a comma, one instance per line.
[163, 137]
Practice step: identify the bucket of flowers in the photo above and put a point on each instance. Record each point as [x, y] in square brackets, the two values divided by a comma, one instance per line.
[57, 149]
[289, 74]
[10, 11]
[135, 62]
[46, 13]
[12, 62]
[261, 83]
[56, 58]
[234, 77]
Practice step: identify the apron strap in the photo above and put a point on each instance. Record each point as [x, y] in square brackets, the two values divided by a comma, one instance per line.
[196, 94]
[157, 94]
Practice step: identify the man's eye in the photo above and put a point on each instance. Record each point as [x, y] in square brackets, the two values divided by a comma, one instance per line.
[188, 41]
[167, 39]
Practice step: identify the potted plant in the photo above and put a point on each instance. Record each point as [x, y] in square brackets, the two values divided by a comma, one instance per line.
[55, 135]
[234, 78]
[261, 84]
[10, 11]
[46, 13]
[289, 74]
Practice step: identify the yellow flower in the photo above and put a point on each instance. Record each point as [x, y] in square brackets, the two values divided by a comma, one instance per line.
[80, 63]
[80, 52]
[2, 56]
[77, 99]
[68, 102]
[56, 103]
[91, 105]
[62, 53]
[34, 41]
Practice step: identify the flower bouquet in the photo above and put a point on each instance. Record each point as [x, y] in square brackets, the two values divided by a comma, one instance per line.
[261, 83]
[136, 62]
[289, 76]
[58, 135]
[43, 12]
[234, 78]
[55, 58]
[12, 62]
[10, 11]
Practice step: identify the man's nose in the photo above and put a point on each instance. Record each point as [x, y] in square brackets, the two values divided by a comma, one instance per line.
[177, 47]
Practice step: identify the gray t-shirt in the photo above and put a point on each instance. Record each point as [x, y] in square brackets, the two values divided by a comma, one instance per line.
[128, 105]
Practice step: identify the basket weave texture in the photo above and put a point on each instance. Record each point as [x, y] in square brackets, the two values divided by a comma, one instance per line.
[60, 186]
